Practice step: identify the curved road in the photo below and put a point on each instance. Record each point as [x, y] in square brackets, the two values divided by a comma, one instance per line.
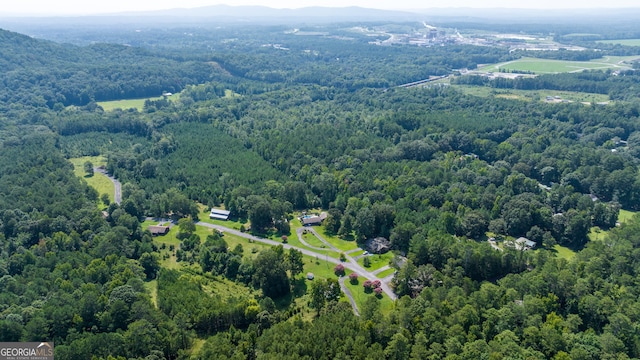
[299, 232]
[117, 195]
[352, 264]
[347, 293]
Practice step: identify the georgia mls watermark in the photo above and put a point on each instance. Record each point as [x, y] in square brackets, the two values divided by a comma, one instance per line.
[26, 350]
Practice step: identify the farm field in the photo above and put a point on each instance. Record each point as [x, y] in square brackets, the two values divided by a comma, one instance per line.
[547, 66]
[131, 103]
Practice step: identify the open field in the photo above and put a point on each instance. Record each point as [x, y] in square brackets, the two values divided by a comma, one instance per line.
[152, 288]
[131, 103]
[547, 66]
[626, 42]
[597, 234]
[532, 95]
[98, 181]
[564, 252]
[625, 215]
[344, 245]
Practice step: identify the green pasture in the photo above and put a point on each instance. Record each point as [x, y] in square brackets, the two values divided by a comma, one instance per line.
[98, 181]
[548, 66]
[131, 103]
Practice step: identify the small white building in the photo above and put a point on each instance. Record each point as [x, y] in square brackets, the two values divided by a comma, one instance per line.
[219, 214]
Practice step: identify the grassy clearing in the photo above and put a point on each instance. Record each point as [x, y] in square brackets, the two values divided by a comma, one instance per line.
[313, 240]
[132, 103]
[597, 234]
[547, 66]
[356, 253]
[152, 289]
[98, 181]
[384, 274]
[344, 245]
[625, 215]
[564, 252]
[532, 95]
[224, 288]
[125, 104]
[360, 297]
[230, 94]
[377, 261]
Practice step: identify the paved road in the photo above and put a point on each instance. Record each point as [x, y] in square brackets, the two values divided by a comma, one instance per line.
[299, 232]
[352, 264]
[347, 293]
[117, 195]
[314, 232]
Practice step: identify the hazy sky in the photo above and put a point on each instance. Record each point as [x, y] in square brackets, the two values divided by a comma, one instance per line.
[55, 7]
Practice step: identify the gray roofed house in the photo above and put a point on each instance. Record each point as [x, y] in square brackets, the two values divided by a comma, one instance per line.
[378, 245]
[313, 219]
[219, 214]
[522, 243]
[158, 230]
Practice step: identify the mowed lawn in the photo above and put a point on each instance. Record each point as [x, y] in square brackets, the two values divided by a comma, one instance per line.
[547, 66]
[360, 296]
[98, 181]
[564, 252]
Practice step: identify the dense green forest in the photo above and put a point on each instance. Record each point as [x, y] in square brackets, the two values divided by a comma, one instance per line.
[314, 124]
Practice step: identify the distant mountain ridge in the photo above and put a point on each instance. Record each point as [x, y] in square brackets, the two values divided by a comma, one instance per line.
[268, 12]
